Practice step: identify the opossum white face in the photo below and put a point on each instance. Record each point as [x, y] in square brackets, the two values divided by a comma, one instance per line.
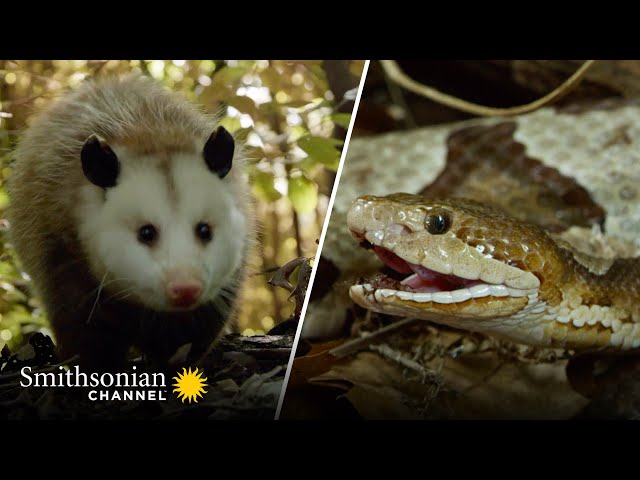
[166, 233]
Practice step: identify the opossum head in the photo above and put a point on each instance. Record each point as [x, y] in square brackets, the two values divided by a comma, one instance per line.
[166, 230]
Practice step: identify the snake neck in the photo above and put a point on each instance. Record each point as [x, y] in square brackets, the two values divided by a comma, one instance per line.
[612, 285]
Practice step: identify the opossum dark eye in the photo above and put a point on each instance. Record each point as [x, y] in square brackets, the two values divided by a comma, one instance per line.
[203, 231]
[147, 234]
[218, 152]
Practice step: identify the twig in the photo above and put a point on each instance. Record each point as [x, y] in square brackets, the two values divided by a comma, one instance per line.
[397, 357]
[395, 73]
[298, 235]
[266, 270]
[486, 377]
[281, 279]
[397, 97]
[353, 346]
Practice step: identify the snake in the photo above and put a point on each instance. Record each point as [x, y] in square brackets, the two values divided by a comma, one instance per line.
[526, 229]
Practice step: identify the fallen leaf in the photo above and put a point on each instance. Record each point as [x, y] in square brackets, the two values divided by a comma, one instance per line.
[314, 363]
[474, 386]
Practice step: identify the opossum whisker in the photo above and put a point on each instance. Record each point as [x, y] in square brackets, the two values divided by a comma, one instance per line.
[125, 296]
[116, 279]
[222, 305]
[91, 293]
[97, 298]
[119, 295]
[227, 295]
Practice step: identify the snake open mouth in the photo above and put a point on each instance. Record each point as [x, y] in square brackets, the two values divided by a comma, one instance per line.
[419, 278]
[411, 282]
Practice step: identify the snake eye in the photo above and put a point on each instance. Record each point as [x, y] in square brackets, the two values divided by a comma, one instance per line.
[438, 223]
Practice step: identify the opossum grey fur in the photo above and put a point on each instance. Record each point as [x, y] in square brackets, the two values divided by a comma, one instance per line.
[55, 215]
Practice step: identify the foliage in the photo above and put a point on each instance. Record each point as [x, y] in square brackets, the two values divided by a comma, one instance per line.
[284, 111]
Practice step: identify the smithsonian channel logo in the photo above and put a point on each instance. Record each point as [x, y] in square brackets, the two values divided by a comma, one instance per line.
[189, 384]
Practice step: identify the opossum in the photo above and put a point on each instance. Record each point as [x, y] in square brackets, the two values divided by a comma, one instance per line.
[130, 209]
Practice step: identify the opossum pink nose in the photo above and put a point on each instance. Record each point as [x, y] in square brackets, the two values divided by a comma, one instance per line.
[184, 293]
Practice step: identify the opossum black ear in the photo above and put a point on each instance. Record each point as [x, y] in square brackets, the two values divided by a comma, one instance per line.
[218, 152]
[99, 163]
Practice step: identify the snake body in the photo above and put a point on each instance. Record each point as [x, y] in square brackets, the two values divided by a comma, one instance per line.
[525, 258]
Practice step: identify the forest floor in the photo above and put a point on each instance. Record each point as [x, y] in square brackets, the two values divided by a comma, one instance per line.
[244, 377]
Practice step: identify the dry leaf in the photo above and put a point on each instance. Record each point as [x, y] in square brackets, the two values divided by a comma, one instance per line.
[314, 363]
[471, 387]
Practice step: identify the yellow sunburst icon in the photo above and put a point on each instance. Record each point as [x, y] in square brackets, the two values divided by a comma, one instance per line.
[189, 385]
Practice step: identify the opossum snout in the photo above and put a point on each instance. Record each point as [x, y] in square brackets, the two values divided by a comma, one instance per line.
[184, 293]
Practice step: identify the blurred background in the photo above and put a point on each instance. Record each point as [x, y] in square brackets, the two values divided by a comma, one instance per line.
[292, 115]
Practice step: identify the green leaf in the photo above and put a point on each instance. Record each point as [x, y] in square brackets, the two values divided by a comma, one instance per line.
[307, 165]
[297, 104]
[229, 75]
[303, 193]
[342, 119]
[4, 199]
[207, 66]
[297, 132]
[335, 141]
[231, 123]
[244, 104]
[264, 187]
[322, 150]
[241, 134]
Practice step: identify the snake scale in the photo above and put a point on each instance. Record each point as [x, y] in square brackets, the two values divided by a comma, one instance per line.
[524, 228]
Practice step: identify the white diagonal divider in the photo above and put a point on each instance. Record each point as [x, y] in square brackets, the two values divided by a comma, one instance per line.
[336, 183]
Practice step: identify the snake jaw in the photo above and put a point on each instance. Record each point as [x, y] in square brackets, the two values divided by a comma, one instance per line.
[441, 307]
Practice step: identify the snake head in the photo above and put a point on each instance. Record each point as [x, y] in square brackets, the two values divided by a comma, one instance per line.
[454, 261]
